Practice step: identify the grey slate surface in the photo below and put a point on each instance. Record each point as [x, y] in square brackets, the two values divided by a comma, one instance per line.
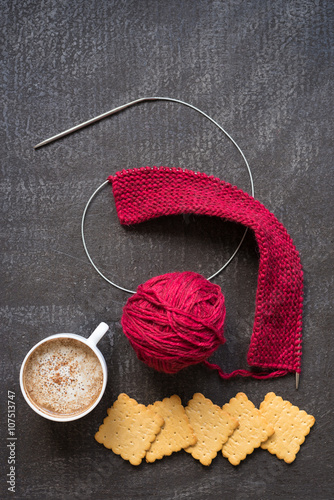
[263, 70]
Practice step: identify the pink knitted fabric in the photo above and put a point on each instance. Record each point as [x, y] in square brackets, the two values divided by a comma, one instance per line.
[145, 193]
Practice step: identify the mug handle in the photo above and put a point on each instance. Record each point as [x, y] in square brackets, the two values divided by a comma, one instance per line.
[97, 334]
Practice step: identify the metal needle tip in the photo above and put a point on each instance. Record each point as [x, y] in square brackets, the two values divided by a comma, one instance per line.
[297, 380]
[97, 118]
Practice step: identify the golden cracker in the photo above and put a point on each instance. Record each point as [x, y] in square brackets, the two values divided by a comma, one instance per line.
[129, 429]
[176, 433]
[253, 429]
[212, 426]
[291, 426]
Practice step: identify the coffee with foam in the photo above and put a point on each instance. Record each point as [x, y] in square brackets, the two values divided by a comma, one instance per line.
[63, 377]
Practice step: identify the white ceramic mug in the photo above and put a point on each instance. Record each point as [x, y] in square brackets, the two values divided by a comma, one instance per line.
[88, 346]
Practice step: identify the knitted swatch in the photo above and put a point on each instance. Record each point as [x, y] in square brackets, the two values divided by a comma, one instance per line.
[146, 193]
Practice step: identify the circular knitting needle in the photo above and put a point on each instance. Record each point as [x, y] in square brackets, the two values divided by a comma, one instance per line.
[169, 99]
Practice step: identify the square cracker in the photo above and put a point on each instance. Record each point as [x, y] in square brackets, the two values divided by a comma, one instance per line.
[212, 426]
[176, 433]
[291, 426]
[129, 429]
[253, 429]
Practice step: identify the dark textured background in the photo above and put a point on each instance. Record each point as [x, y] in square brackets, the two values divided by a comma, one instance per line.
[262, 69]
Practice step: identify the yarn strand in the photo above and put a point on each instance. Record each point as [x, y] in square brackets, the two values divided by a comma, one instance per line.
[244, 373]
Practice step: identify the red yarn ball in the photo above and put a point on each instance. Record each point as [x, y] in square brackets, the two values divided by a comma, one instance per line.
[175, 320]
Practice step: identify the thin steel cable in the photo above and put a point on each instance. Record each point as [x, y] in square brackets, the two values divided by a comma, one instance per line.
[116, 110]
